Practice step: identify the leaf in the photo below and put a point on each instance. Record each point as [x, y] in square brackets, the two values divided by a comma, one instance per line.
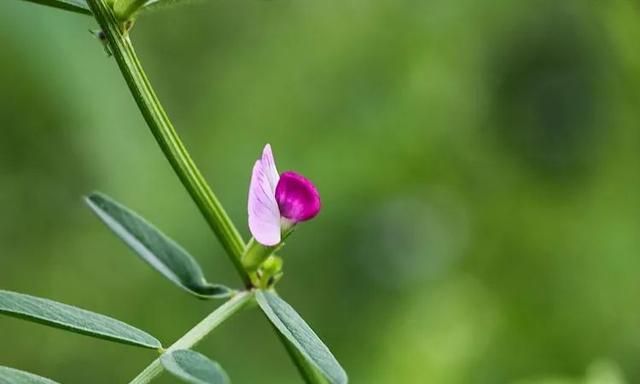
[294, 328]
[308, 370]
[155, 248]
[73, 319]
[193, 367]
[14, 376]
[79, 6]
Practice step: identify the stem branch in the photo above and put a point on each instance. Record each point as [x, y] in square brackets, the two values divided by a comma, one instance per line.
[196, 334]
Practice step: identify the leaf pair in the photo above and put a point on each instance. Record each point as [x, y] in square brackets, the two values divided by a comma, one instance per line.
[155, 248]
[195, 368]
[189, 366]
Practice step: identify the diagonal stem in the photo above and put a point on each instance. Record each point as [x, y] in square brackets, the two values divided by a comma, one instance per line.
[177, 155]
[196, 334]
[167, 137]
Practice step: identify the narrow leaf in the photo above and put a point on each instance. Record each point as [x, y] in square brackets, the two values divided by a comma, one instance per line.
[155, 248]
[73, 319]
[294, 328]
[14, 376]
[194, 368]
[79, 6]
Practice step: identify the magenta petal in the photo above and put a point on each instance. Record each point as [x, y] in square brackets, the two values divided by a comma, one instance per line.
[297, 197]
[264, 214]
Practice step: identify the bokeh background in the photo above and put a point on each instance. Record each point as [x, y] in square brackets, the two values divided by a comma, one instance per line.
[478, 162]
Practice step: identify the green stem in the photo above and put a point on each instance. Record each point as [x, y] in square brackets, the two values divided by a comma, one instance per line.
[196, 334]
[177, 155]
[167, 138]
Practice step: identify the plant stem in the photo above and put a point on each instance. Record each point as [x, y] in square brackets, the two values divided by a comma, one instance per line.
[167, 138]
[179, 158]
[196, 334]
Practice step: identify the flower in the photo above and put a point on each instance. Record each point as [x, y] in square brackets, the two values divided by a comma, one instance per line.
[278, 202]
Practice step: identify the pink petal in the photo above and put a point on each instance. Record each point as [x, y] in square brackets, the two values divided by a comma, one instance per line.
[297, 197]
[264, 214]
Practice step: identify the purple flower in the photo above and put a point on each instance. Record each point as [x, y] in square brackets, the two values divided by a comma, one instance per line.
[278, 202]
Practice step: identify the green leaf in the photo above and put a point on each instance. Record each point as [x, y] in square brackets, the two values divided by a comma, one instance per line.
[73, 319]
[155, 248]
[194, 368]
[79, 6]
[301, 336]
[14, 376]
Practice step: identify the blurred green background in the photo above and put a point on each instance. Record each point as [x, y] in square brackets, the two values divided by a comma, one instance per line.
[478, 163]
